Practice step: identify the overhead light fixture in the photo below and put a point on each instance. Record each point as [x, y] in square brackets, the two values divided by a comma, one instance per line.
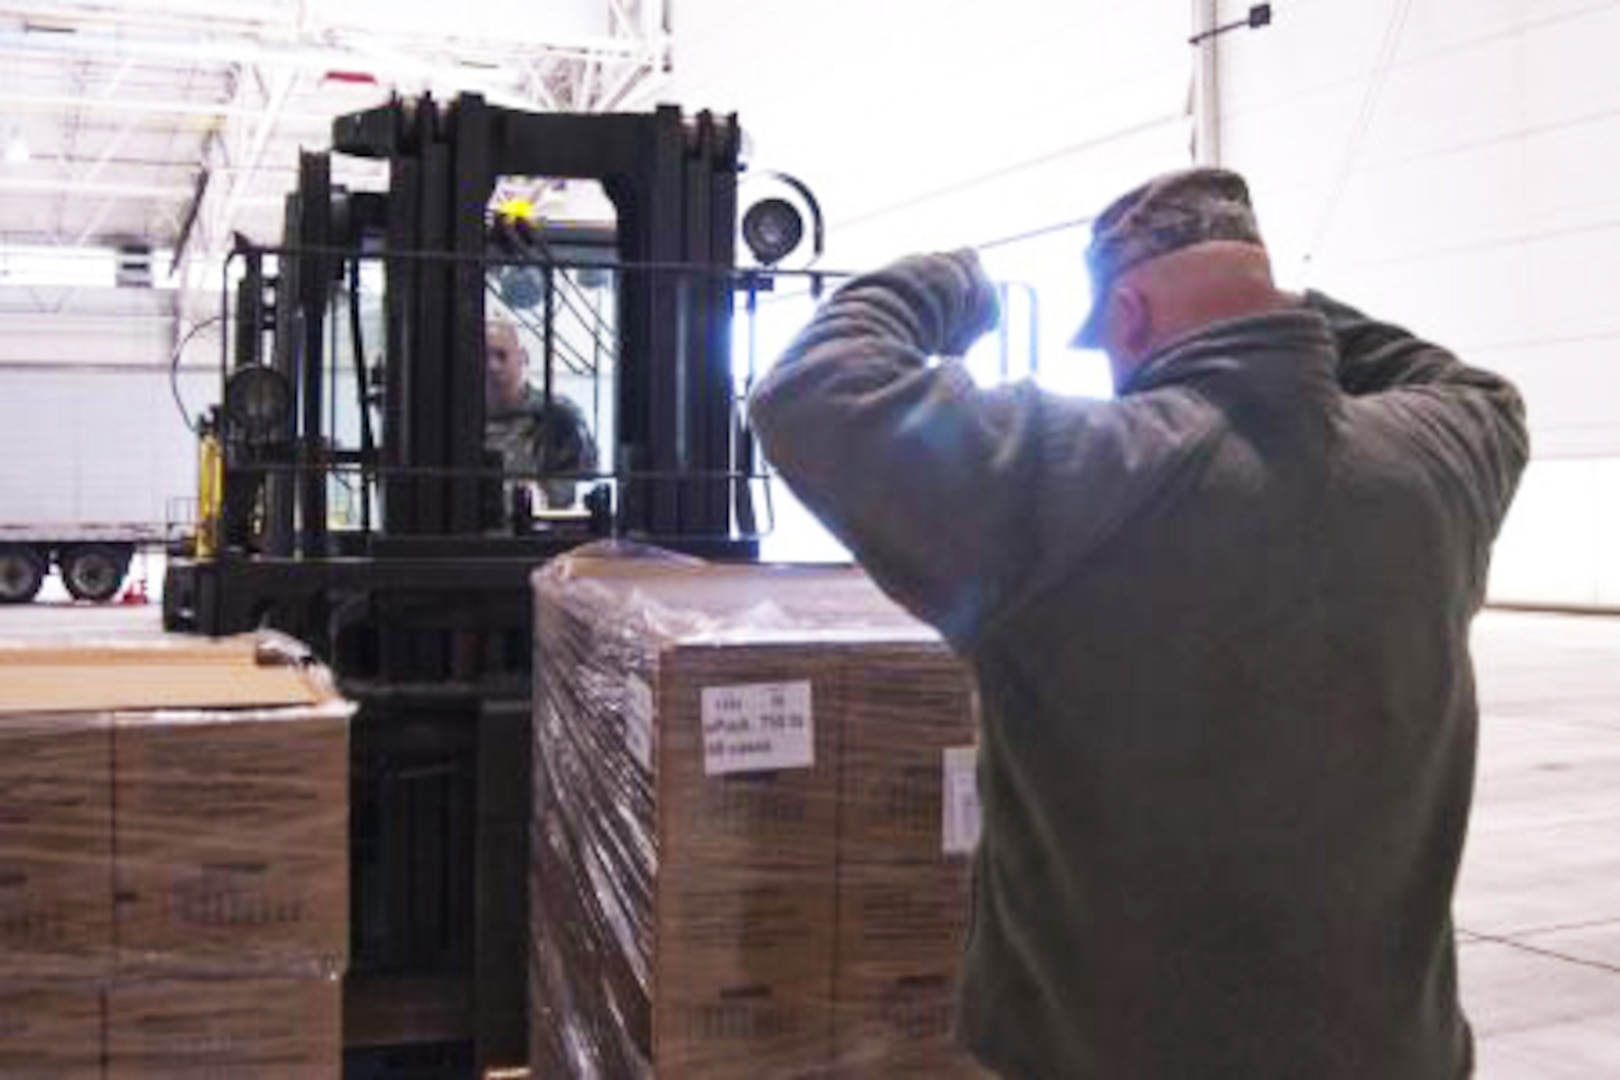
[17, 152]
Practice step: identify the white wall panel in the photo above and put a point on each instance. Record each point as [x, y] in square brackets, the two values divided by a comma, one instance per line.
[1569, 62]
[85, 324]
[1606, 530]
[1548, 552]
[1558, 381]
[1564, 190]
[1289, 60]
[1476, 205]
[47, 339]
[922, 123]
[1562, 544]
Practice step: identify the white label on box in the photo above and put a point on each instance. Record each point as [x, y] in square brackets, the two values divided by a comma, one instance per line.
[638, 720]
[757, 728]
[960, 827]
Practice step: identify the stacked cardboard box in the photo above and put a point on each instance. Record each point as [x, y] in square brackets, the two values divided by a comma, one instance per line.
[173, 860]
[232, 843]
[904, 888]
[50, 1028]
[56, 897]
[232, 1026]
[741, 865]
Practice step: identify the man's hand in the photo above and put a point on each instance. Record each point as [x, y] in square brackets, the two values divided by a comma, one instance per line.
[970, 303]
[981, 310]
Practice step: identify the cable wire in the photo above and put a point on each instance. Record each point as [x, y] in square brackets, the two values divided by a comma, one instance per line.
[174, 370]
[1037, 233]
[1388, 47]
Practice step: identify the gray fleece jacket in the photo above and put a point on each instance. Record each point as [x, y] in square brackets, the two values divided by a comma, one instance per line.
[1220, 628]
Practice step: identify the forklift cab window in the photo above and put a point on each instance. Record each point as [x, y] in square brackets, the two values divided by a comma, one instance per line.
[551, 342]
[531, 435]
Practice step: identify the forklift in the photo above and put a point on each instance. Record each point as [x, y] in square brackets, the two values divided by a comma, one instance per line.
[354, 374]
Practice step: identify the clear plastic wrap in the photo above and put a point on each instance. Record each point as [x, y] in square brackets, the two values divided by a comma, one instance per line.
[752, 830]
[174, 852]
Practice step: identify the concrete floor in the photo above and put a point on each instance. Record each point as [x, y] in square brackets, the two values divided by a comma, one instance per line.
[1538, 910]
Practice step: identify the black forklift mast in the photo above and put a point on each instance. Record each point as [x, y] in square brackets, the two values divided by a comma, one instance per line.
[425, 613]
[673, 183]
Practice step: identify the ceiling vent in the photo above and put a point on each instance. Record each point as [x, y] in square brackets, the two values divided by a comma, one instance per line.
[135, 266]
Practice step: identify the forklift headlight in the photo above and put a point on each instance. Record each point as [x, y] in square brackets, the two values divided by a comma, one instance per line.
[772, 228]
[258, 401]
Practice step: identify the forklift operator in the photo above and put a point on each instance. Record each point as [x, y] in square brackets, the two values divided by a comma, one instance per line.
[1220, 630]
[531, 436]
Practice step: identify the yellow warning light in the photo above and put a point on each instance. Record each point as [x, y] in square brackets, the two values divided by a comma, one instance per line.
[517, 208]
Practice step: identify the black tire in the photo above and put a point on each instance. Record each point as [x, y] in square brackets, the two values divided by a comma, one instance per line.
[93, 571]
[22, 572]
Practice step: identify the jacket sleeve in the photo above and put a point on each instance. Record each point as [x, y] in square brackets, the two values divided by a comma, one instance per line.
[957, 500]
[1469, 419]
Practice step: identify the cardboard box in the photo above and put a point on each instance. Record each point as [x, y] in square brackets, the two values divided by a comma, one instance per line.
[171, 1028]
[171, 804]
[744, 1032]
[902, 930]
[232, 840]
[905, 872]
[51, 1030]
[742, 973]
[269, 1028]
[716, 747]
[55, 846]
[732, 975]
[705, 849]
[898, 920]
[772, 810]
[907, 707]
[899, 1026]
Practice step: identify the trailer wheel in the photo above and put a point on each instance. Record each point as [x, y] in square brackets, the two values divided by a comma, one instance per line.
[22, 572]
[93, 571]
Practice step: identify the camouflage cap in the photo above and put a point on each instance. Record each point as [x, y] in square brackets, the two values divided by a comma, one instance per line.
[1168, 213]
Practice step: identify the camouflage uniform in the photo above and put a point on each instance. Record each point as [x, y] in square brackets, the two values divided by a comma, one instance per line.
[533, 439]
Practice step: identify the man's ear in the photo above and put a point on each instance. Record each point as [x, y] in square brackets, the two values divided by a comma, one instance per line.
[1133, 319]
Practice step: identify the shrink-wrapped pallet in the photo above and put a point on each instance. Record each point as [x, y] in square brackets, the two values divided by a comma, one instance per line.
[738, 771]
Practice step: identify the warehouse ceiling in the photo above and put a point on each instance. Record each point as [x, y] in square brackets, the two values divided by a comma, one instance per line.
[175, 123]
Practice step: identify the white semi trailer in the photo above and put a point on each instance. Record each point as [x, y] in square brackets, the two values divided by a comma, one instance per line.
[94, 463]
